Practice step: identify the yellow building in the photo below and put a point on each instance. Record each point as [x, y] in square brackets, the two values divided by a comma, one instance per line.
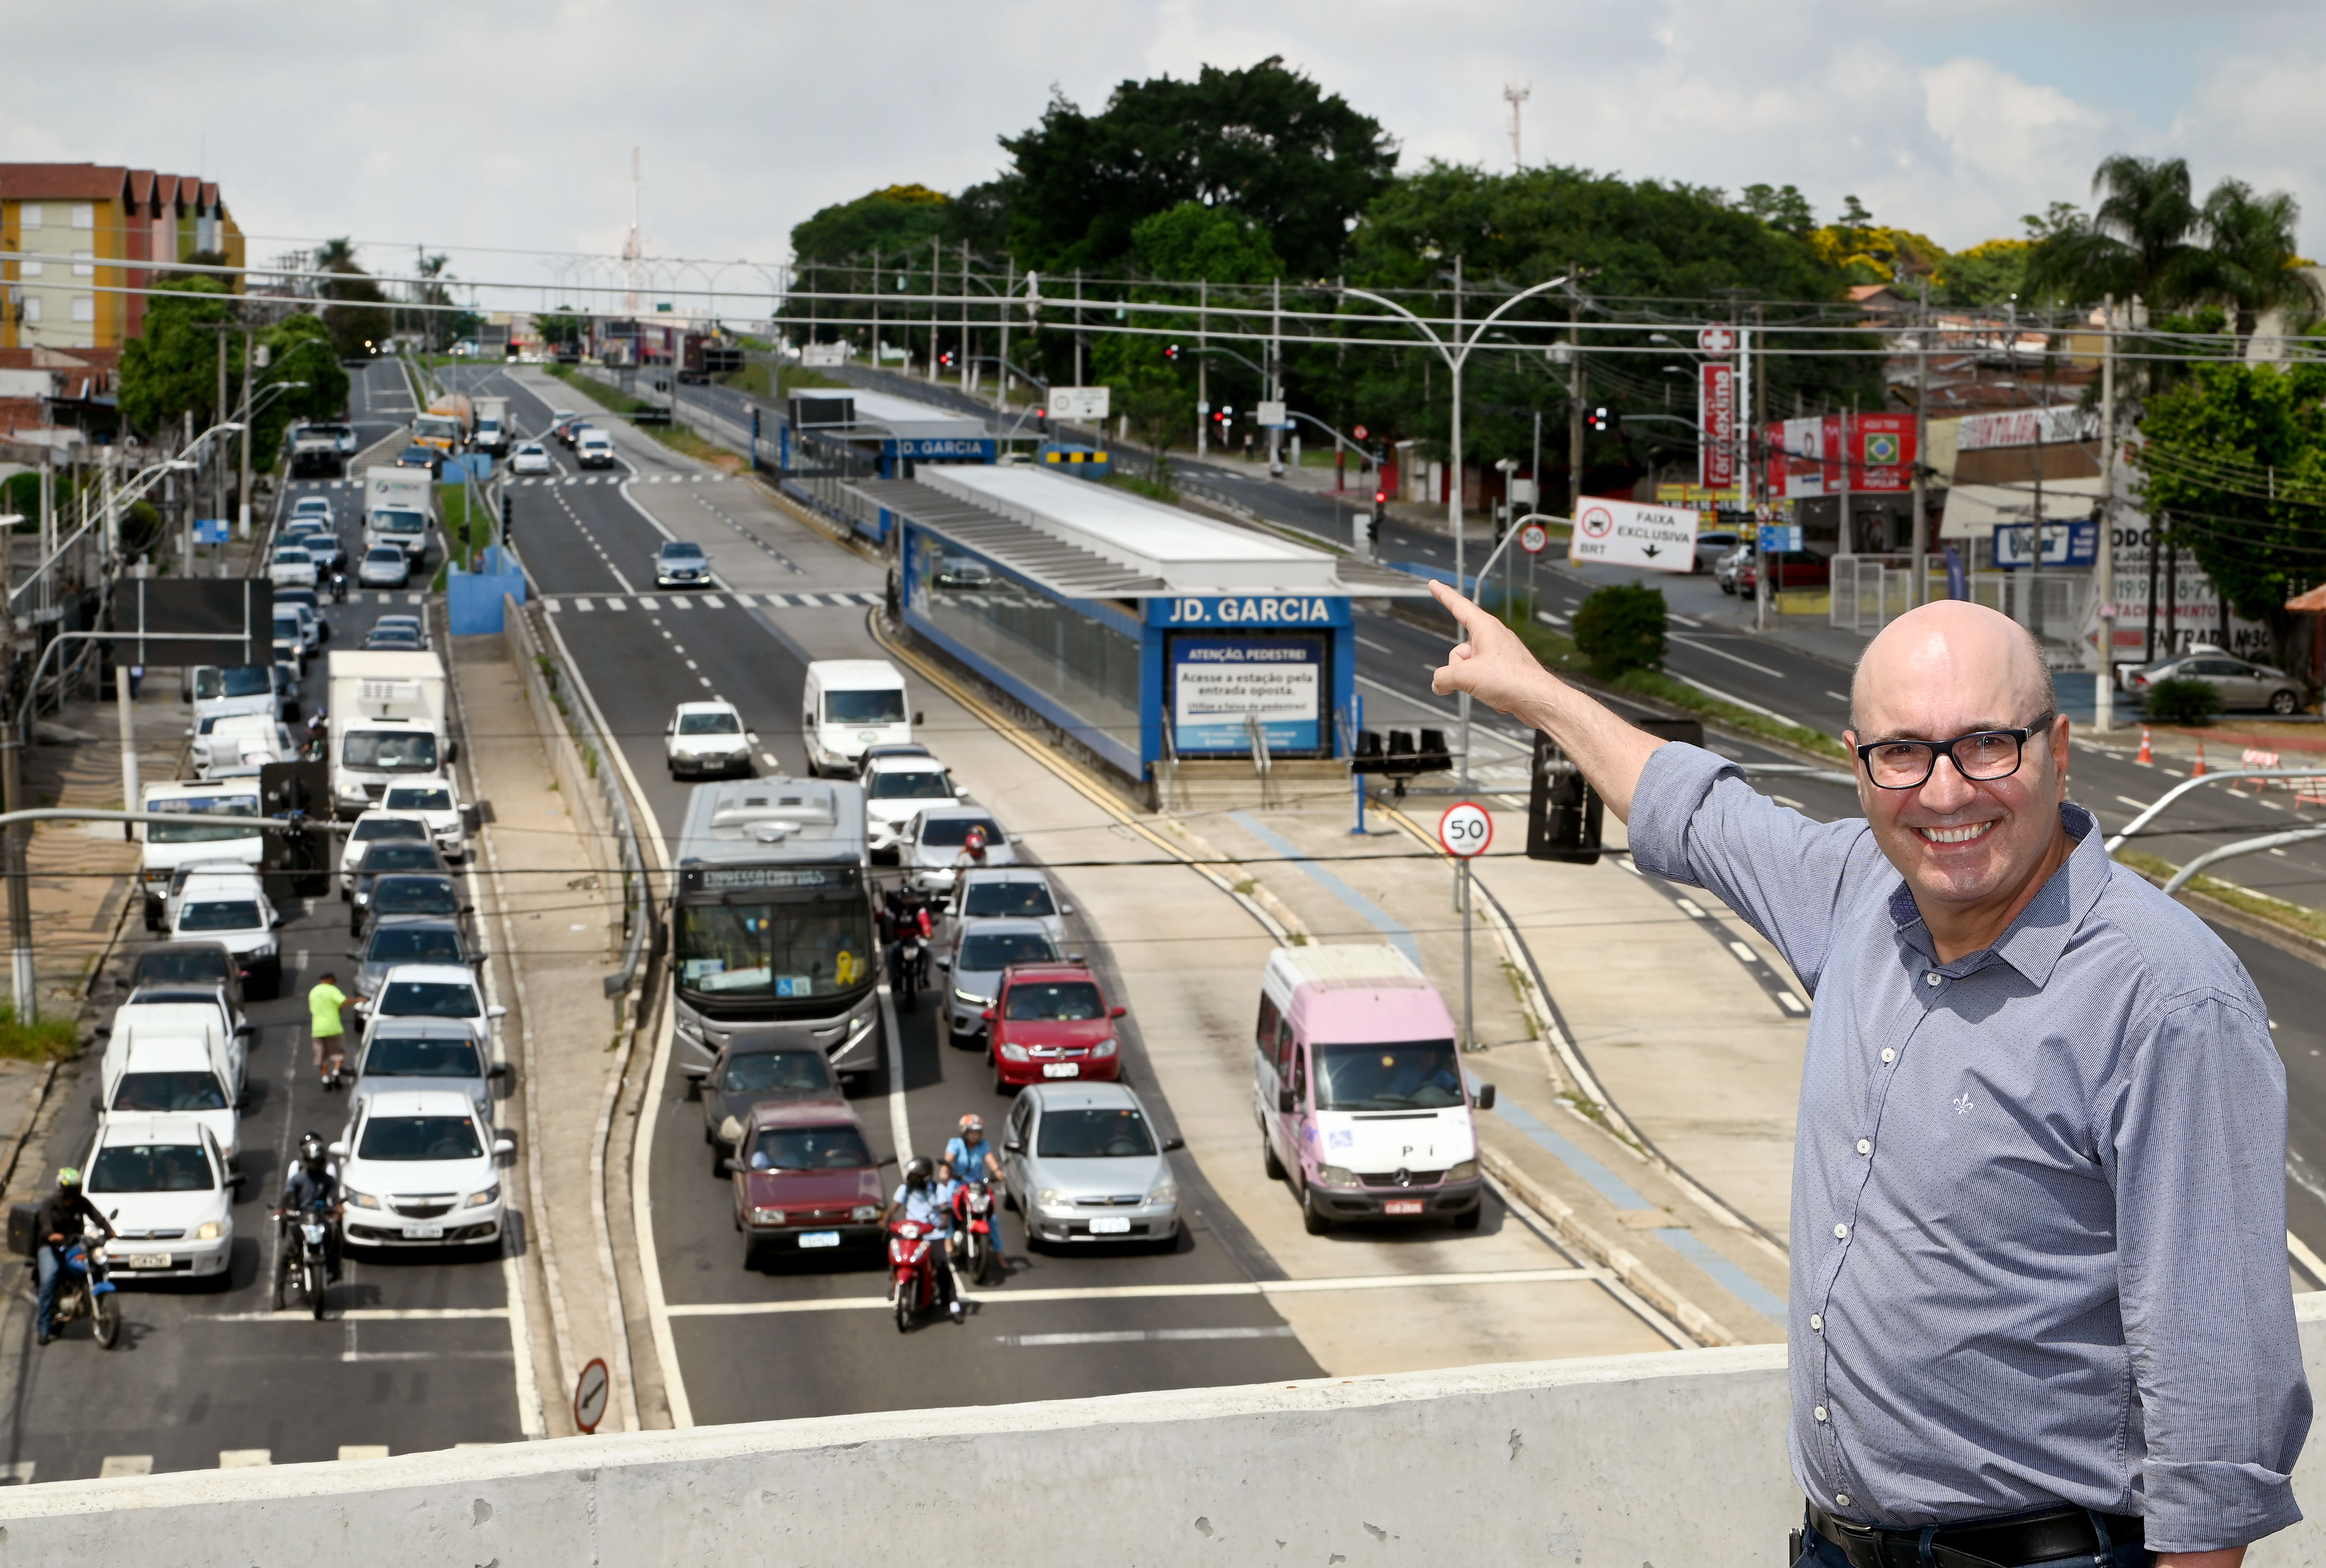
[87, 230]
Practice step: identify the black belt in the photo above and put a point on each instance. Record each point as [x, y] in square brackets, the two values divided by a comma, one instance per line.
[2004, 1542]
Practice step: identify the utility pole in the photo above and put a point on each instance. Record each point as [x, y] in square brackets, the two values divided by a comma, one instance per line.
[1574, 392]
[1454, 502]
[1202, 369]
[1009, 293]
[936, 287]
[964, 317]
[1516, 96]
[1078, 326]
[23, 988]
[249, 418]
[1276, 370]
[1914, 585]
[2104, 569]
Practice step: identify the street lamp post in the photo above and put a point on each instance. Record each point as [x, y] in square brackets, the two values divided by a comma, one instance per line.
[1454, 355]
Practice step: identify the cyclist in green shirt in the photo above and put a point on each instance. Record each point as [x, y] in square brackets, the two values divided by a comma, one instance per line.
[326, 1006]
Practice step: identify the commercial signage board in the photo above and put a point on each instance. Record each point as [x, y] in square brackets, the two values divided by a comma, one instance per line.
[1271, 416]
[1220, 683]
[1716, 425]
[1626, 533]
[2066, 544]
[1253, 610]
[1080, 402]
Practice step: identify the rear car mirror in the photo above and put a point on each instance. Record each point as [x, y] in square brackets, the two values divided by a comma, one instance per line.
[920, 719]
[732, 1167]
[1172, 1145]
[987, 1014]
[1485, 1100]
[1065, 909]
[503, 1146]
[1013, 1146]
[1285, 1102]
[338, 1151]
[496, 1011]
[944, 963]
[1119, 1013]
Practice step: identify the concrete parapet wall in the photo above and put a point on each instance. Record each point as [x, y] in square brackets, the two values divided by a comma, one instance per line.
[575, 784]
[1668, 1459]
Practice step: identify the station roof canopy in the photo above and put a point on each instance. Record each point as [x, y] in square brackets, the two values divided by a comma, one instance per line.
[884, 413]
[1147, 548]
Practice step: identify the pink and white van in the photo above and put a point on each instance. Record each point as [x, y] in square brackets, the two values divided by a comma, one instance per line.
[1358, 1088]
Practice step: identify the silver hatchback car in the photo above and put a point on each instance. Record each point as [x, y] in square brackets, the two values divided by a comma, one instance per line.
[1082, 1164]
[980, 951]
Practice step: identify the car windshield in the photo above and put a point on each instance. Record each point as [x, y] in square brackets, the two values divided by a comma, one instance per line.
[783, 950]
[1412, 1075]
[415, 896]
[999, 950]
[390, 750]
[199, 806]
[192, 1089]
[418, 1056]
[414, 944]
[220, 915]
[444, 426]
[1054, 1002]
[682, 550]
[292, 555]
[311, 506]
[1111, 1133]
[151, 1168]
[414, 798]
[709, 724]
[419, 1137]
[919, 784]
[399, 856]
[775, 1072]
[372, 828]
[884, 706]
[952, 832]
[383, 555]
[430, 999]
[242, 680]
[1008, 899]
[202, 966]
[809, 1148]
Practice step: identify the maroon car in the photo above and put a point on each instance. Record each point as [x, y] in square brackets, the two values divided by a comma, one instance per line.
[804, 1180]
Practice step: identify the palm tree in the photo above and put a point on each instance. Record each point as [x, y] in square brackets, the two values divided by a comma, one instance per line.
[2250, 265]
[2139, 242]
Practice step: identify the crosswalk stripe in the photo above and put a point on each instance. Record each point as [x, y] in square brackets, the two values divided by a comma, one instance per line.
[551, 606]
[121, 1464]
[616, 604]
[246, 1458]
[412, 598]
[713, 601]
[583, 604]
[682, 604]
[351, 1452]
[648, 601]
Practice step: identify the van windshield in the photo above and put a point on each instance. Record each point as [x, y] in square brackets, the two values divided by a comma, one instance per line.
[1411, 1075]
[390, 750]
[398, 521]
[194, 1090]
[883, 707]
[242, 680]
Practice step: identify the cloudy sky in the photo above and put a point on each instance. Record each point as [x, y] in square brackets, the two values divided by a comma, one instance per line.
[510, 126]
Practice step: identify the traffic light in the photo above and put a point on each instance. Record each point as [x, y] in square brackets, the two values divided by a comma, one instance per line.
[1171, 354]
[1605, 421]
[1563, 812]
[945, 360]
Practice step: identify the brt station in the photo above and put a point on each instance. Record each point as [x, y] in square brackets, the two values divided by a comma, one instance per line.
[830, 438]
[1174, 649]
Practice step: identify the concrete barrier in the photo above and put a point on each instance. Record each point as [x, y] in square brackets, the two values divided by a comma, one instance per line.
[1666, 1460]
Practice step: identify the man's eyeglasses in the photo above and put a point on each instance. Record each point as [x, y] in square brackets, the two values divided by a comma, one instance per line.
[1983, 756]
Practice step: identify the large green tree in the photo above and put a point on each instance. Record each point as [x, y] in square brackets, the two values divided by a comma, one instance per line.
[299, 349]
[1265, 142]
[171, 368]
[2143, 239]
[1154, 378]
[893, 224]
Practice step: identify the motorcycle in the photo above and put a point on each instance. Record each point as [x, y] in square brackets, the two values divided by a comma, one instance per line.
[306, 1260]
[976, 1258]
[912, 1271]
[86, 1292]
[338, 587]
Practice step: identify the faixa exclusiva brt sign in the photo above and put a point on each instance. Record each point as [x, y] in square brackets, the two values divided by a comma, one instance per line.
[1626, 533]
[1271, 609]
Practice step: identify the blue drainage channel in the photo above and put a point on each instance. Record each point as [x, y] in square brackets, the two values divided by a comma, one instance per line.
[1616, 1190]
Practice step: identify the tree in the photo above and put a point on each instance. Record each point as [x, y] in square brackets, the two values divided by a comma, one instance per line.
[360, 326]
[1991, 272]
[1185, 243]
[289, 358]
[171, 368]
[895, 223]
[2140, 242]
[1264, 141]
[1783, 207]
[2250, 264]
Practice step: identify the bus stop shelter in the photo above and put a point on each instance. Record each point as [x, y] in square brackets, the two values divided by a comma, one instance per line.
[831, 437]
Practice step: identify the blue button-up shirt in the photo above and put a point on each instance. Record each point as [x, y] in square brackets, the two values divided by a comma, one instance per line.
[2039, 1192]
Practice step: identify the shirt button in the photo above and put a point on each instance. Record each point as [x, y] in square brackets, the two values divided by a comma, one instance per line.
[1817, 1322]
[1841, 1500]
[1888, 1055]
[1866, 1146]
[1931, 978]
[1841, 1233]
[1819, 1412]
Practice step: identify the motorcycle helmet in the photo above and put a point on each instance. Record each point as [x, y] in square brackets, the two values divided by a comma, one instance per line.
[311, 1149]
[972, 1123]
[69, 1178]
[974, 841]
[920, 1173]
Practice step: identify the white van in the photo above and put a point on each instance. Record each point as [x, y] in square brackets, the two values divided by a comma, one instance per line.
[1358, 1089]
[847, 705]
[216, 692]
[206, 1021]
[168, 846]
[404, 527]
[219, 743]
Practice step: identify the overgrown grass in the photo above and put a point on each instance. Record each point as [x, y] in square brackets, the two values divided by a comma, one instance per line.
[50, 1039]
[2298, 917]
[1559, 653]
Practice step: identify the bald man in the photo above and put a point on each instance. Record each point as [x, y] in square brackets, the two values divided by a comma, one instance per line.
[2039, 1306]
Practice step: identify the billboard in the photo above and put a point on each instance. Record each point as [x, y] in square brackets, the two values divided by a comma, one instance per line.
[1218, 682]
[1825, 454]
[159, 622]
[1715, 420]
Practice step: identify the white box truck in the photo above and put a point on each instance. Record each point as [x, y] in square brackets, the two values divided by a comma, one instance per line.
[493, 432]
[387, 718]
[399, 508]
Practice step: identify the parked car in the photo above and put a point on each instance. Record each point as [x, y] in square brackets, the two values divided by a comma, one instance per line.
[2242, 683]
[804, 1180]
[594, 448]
[418, 1055]
[384, 566]
[1787, 569]
[290, 566]
[1712, 543]
[754, 1070]
[421, 1169]
[996, 892]
[936, 838]
[980, 949]
[1082, 1164]
[531, 458]
[706, 738]
[1051, 1021]
[898, 786]
[162, 1181]
[682, 563]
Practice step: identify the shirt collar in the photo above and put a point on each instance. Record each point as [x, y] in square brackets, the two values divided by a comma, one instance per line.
[2034, 940]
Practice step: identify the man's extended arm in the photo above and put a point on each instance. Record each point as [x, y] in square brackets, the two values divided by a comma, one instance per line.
[1495, 667]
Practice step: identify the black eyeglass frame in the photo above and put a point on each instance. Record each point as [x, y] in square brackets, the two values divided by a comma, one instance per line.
[1934, 749]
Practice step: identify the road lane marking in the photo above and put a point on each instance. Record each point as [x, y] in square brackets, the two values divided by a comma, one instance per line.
[1716, 653]
[1136, 1336]
[1837, 696]
[1791, 1003]
[2314, 1265]
[2135, 805]
[1376, 647]
[246, 1458]
[350, 1452]
[365, 1315]
[1739, 701]
[729, 1309]
[122, 1464]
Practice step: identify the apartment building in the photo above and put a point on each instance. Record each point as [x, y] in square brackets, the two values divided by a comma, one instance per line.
[82, 233]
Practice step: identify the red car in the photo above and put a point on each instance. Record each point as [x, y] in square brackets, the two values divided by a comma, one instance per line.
[804, 1180]
[1790, 569]
[1051, 1021]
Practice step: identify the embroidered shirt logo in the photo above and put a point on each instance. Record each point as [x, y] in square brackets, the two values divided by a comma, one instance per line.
[1962, 1105]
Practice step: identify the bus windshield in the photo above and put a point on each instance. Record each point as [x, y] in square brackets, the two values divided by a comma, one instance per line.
[201, 806]
[781, 950]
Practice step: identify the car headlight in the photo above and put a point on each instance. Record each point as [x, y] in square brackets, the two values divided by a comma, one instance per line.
[208, 1230]
[491, 1194]
[1336, 1176]
[859, 1028]
[1468, 1171]
[361, 1199]
[1103, 1048]
[864, 1212]
[767, 1216]
[1163, 1196]
[1010, 1053]
[730, 1130]
[972, 997]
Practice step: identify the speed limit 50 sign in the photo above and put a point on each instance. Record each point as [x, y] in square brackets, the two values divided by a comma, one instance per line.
[1465, 830]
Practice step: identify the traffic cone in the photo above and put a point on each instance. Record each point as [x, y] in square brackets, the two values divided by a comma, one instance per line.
[2145, 758]
[2198, 771]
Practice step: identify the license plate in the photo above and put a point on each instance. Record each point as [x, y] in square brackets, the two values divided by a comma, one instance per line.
[424, 1232]
[819, 1238]
[1402, 1206]
[143, 1260]
[1062, 1070]
[1110, 1227]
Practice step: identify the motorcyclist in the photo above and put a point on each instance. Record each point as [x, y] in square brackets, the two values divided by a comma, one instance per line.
[58, 1225]
[909, 968]
[972, 850]
[313, 1188]
[919, 1199]
[968, 1157]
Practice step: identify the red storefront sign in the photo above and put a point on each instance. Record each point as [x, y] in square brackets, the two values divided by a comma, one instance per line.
[1715, 420]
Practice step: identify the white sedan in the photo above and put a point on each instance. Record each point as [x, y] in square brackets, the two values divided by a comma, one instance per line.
[707, 737]
[438, 991]
[161, 1179]
[290, 567]
[384, 566]
[421, 1169]
[532, 457]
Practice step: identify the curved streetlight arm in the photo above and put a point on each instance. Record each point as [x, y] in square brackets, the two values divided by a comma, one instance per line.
[1419, 324]
[2182, 878]
[2222, 776]
[1497, 313]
